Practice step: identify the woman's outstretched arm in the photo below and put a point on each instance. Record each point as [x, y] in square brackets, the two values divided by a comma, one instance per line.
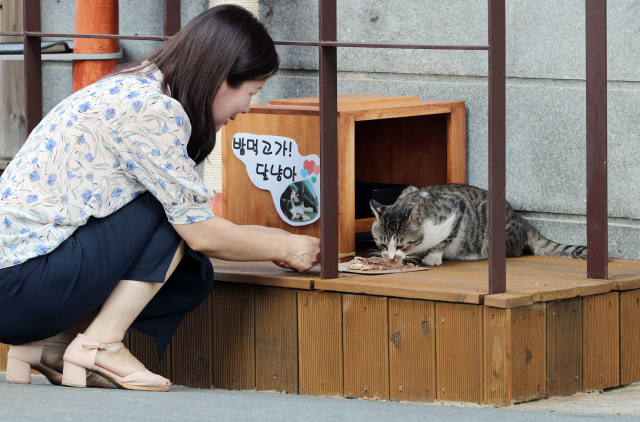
[222, 239]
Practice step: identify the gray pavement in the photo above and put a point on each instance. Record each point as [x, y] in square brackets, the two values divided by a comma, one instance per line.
[44, 402]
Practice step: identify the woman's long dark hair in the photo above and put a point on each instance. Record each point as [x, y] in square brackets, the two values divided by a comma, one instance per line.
[223, 43]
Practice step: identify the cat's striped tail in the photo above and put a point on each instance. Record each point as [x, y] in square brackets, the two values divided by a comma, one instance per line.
[541, 246]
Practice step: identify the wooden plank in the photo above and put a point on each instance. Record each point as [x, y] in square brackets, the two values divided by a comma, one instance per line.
[320, 343]
[630, 283]
[457, 145]
[350, 100]
[276, 339]
[564, 347]
[601, 341]
[366, 350]
[192, 348]
[262, 274]
[381, 113]
[12, 95]
[529, 278]
[433, 289]
[4, 349]
[233, 337]
[497, 358]
[527, 334]
[144, 349]
[629, 336]
[459, 360]
[514, 354]
[412, 360]
[346, 187]
[508, 300]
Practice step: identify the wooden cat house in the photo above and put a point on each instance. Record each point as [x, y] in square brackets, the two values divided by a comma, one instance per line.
[382, 139]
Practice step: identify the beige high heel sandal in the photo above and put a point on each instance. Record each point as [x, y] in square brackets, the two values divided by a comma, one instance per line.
[80, 357]
[25, 357]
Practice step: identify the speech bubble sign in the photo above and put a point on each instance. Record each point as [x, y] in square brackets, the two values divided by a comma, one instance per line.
[274, 163]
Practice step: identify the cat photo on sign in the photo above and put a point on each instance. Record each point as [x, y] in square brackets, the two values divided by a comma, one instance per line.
[299, 202]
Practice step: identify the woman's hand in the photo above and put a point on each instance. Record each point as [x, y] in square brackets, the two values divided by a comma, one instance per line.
[301, 253]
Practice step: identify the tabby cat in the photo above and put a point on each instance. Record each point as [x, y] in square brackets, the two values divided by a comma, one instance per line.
[451, 222]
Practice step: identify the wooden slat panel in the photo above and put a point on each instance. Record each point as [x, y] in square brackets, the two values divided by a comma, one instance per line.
[527, 335]
[276, 339]
[233, 337]
[144, 349]
[412, 363]
[12, 95]
[320, 343]
[629, 336]
[192, 348]
[459, 366]
[601, 341]
[366, 351]
[564, 347]
[4, 349]
[497, 360]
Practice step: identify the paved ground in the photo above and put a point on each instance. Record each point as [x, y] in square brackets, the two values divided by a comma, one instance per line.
[44, 402]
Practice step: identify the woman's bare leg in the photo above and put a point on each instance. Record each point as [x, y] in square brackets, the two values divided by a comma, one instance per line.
[117, 313]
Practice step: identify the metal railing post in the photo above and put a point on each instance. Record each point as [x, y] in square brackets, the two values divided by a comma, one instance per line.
[171, 17]
[328, 139]
[32, 65]
[596, 115]
[497, 150]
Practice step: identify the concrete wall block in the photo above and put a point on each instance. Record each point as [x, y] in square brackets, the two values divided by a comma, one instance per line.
[550, 39]
[420, 22]
[56, 84]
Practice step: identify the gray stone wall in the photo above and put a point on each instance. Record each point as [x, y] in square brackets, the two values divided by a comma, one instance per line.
[546, 175]
[545, 87]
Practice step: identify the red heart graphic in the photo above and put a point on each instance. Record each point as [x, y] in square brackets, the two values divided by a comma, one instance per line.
[316, 169]
[309, 165]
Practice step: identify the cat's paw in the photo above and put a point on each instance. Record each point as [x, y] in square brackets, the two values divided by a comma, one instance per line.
[432, 260]
[305, 217]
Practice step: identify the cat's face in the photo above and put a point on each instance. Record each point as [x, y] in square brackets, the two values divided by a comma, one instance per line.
[296, 196]
[397, 229]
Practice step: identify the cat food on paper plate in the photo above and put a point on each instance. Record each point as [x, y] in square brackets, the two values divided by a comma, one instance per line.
[360, 265]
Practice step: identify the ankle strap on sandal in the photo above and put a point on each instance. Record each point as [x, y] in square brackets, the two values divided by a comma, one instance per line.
[101, 346]
[52, 344]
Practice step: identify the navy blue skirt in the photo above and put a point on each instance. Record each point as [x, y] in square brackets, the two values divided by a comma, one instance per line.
[51, 293]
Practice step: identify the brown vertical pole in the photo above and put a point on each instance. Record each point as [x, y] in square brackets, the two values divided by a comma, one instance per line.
[94, 17]
[497, 125]
[32, 65]
[329, 140]
[597, 230]
[171, 17]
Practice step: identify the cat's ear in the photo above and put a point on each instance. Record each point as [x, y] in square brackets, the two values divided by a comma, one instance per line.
[377, 208]
[416, 214]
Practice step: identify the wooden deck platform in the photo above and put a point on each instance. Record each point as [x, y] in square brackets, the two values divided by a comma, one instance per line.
[430, 335]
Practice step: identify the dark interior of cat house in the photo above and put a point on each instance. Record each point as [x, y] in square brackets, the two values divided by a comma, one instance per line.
[494, 331]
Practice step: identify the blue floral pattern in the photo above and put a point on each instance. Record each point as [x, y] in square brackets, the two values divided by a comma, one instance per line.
[95, 152]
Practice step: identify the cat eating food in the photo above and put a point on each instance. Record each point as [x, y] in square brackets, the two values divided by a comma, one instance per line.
[451, 222]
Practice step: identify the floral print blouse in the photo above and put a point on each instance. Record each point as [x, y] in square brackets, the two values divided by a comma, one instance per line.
[92, 154]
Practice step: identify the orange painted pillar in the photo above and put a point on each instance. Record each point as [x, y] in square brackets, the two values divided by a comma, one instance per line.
[94, 17]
